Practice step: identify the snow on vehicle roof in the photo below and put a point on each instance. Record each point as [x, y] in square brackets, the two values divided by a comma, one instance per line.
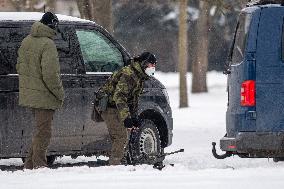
[35, 16]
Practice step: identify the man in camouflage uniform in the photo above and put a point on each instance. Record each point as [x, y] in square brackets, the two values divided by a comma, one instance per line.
[123, 90]
[40, 86]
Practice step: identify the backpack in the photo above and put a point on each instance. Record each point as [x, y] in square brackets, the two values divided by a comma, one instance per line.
[101, 97]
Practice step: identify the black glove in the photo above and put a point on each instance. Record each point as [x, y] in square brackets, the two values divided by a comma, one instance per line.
[128, 122]
[136, 122]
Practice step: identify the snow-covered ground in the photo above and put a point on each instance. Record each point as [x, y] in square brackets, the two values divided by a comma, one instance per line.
[194, 130]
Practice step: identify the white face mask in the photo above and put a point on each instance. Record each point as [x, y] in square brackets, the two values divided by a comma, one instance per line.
[150, 71]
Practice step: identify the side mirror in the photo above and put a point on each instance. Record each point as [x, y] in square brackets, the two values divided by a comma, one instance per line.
[227, 68]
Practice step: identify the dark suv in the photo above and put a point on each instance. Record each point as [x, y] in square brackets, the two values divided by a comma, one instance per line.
[88, 55]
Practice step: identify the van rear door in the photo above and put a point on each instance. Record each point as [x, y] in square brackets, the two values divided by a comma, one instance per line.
[270, 71]
[240, 118]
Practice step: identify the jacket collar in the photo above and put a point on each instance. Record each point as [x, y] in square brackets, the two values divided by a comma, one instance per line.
[41, 30]
[138, 70]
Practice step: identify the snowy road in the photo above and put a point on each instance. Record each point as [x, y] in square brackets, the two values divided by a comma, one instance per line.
[194, 130]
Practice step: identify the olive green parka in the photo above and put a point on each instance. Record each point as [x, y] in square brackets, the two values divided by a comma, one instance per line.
[124, 88]
[40, 85]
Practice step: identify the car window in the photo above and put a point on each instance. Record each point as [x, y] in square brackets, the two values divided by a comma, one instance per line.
[10, 41]
[99, 53]
[63, 45]
[241, 38]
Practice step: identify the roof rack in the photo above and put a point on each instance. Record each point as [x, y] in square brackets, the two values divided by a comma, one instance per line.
[264, 2]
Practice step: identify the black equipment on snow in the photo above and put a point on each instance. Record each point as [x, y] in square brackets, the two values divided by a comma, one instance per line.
[155, 159]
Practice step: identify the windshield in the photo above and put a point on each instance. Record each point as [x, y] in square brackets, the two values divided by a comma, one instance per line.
[237, 54]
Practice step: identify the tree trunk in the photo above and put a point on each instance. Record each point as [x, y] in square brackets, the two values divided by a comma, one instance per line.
[102, 13]
[31, 5]
[50, 4]
[85, 8]
[26, 5]
[182, 47]
[243, 3]
[17, 5]
[199, 68]
[99, 11]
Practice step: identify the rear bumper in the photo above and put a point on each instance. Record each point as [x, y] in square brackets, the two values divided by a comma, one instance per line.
[255, 144]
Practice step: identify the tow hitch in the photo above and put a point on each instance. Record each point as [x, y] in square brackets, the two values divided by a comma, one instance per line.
[217, 156]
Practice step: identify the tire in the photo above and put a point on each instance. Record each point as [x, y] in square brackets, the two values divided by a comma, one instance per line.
[50, 160]
[147, 140]
[278, 159]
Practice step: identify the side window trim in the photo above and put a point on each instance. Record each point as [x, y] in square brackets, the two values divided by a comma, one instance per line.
[108, 39]
[67, 50]
[125, 54]
[241, 35]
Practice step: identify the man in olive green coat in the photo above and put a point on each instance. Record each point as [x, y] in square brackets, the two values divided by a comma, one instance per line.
[123, 90]
[40, 86]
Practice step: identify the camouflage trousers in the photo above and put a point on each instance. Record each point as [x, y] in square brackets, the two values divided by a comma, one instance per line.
[41, 139]
[118, 134]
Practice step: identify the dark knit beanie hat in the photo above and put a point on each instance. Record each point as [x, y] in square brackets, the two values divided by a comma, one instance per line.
[50, 20]
[146, 58]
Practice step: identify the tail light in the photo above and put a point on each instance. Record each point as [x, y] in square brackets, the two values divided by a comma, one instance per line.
[248, 93]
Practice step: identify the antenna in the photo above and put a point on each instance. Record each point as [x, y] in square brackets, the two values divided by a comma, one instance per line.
[44, 8]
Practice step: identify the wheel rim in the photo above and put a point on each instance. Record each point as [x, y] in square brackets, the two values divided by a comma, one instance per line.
[148, 142]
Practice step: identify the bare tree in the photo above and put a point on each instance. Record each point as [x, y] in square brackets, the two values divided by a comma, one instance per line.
[98, 11]
[200, 66]
[33, 5]
[85, 8]
[183, 53]
[50, 5]
[102, 13]
[24, 5]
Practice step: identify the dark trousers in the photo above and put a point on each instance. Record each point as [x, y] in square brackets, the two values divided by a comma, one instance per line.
[118, 135]
[41, 139]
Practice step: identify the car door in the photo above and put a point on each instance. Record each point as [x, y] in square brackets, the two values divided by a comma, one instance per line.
[13, 118]
[270, 71]
[240, 117]
[68, 120]
[101, 56]
[17, 123]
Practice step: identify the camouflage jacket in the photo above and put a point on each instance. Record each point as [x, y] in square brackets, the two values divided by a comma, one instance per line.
[124, 88]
